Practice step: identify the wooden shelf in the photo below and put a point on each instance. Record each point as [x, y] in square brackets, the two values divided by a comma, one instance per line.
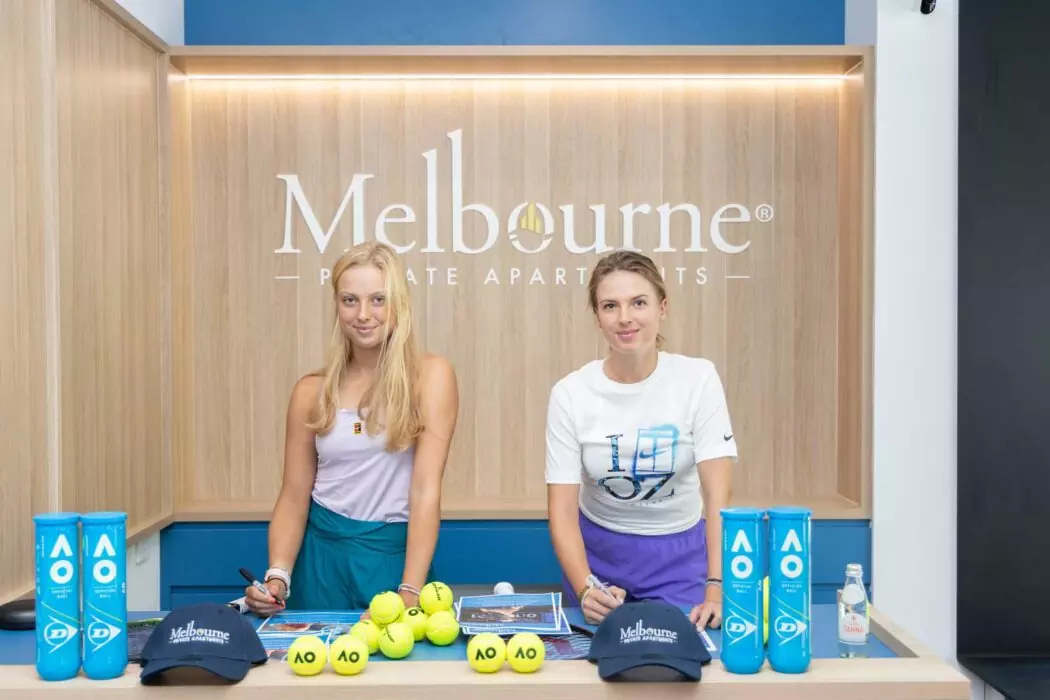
[552, 61]
[824, 508]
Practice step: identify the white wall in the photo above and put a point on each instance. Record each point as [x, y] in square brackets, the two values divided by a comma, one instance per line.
[164, 17]
[861, 22]
[144, 574]
[916, 161]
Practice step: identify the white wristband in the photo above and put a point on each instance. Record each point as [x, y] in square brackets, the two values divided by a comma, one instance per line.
[281, 575]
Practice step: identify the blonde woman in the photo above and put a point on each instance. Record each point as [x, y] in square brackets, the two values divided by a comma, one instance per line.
[367, 438]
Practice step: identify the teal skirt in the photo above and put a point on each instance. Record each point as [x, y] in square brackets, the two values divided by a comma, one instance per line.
[343, 563]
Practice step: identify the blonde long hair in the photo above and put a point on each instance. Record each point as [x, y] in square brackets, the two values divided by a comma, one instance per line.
[392, 398]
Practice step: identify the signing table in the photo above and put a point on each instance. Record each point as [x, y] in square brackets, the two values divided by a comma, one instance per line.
[897, 668]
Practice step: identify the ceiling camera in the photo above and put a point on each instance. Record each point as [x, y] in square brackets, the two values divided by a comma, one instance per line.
[928, 6]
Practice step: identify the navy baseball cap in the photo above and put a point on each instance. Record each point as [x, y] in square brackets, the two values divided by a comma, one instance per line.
[209, 636]
[648, 640]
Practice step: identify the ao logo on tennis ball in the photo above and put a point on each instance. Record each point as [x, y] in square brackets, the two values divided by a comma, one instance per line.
[344, 656]
[791, 565]
[486, 653]
[105, 570]
[742, 565]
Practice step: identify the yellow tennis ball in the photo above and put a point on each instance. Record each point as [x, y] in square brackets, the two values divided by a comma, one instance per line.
[396, 641]
[386, 607]
[348, 655]
[442, 628]
[435, 597]
[307, 655]
[368, 632]
[486, 652]
[525, 652]
[765, 609]
[416, 620]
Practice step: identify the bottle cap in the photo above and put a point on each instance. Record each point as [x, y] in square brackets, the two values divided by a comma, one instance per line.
[742, 513]
[790, 513]
[104, 517]
[56, 518]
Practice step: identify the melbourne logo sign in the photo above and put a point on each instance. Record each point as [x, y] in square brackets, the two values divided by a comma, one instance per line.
[530, 227]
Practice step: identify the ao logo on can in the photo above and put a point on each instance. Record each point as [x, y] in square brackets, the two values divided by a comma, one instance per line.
[742, 565]
[61, 570]
[791, 564]
[105, 570]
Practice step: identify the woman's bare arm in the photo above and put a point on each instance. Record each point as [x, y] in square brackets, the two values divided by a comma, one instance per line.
[439, 406]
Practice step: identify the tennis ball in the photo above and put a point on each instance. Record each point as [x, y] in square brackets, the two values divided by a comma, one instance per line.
[486, 652]
[368, 632]
[442, 628]
[386, 607]
[416, 620]
[396, 641]
[765, 610]
[525, 652]
[434, 597]
[349, 654]
[307, 655]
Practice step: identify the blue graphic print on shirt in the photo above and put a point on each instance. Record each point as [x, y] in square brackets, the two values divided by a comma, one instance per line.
[652, 466]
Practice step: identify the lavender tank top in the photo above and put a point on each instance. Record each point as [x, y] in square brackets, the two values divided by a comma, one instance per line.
[356, 476]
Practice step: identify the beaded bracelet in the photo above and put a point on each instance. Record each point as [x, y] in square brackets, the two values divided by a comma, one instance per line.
[406, 587]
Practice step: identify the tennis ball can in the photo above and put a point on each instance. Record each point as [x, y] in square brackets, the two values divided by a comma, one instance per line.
[105, 595]
[56, 541]
[790, 639]
[743, 571]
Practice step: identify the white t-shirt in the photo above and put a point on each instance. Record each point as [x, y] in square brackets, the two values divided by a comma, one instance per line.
[634, 448]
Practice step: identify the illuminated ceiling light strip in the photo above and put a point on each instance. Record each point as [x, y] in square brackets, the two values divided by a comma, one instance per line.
[809, 77]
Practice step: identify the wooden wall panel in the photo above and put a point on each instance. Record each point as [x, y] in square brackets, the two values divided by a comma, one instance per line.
[24, 232]
[182, 428]
[855, 287]
[113, 268]
[769, 316]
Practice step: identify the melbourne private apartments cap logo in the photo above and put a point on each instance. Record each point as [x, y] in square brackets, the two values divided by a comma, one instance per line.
[208, 636]
[647, 641]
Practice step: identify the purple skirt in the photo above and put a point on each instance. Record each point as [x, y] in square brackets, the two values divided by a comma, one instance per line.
[671, 568]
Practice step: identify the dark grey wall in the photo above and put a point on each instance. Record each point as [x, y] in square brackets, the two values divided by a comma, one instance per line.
[1004, 328]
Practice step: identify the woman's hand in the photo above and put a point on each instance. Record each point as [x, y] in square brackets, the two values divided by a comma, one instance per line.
[264, 605]
[708, 613]
[596, 605]
[410, 598]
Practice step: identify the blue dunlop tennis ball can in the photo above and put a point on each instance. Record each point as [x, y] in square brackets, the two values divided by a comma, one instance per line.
[790, 589]
[57, 595]
[743, 571]
[105, 595]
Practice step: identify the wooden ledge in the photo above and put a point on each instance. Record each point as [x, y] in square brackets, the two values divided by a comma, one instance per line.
[824, 508]
[291, 61]
[918, 675]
